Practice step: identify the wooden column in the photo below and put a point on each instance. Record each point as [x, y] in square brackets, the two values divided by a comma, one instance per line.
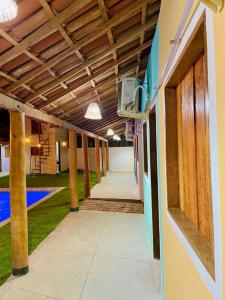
[107, 155]
[17, 185]
[103, 159]
[73, 171]
[97, 160]
[86, 167]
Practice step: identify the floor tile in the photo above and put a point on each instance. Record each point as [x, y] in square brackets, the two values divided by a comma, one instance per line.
[134, 222]
[125, 244]
[117, 185]
[59, 274]
[83, 239]
[18, 294]
[120, 279]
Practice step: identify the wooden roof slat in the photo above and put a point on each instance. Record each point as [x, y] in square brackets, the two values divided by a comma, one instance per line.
[143, 20]
[101, 4]
[70, 109]
[130, 10]
[85, 51]
[78, 85]
[70, 73]
[43, 31]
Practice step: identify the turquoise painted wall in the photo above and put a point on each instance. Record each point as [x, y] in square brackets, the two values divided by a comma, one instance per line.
[150, 82]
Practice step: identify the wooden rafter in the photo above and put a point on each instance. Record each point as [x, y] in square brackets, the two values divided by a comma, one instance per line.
[71, 54]
[129, 11]
[85, 81]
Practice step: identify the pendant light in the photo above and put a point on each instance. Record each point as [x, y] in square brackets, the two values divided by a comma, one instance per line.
[110, 132]
[116, 137]
[93, 112]
[8, 10]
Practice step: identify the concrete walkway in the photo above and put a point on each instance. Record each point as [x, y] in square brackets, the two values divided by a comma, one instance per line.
[116, 185]
[3, 174]
[91, 256]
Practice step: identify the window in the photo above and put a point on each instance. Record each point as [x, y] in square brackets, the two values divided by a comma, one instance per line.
[35, 127]
[7, 152]
[145, 145]
[188, 150]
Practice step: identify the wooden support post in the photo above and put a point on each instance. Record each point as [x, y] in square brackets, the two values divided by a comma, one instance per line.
[73, 170]
[86, 167]
[97, 160]
[17, 186]
[103, 159]
[107, 156]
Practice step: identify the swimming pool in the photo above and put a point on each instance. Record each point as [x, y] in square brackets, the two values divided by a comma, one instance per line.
[33, 197]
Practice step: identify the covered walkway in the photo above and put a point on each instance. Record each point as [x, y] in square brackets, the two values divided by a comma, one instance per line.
[93, 255]
[117, 185]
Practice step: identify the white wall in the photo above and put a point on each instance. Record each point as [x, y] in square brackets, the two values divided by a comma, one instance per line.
[121, 159]
[5, 161]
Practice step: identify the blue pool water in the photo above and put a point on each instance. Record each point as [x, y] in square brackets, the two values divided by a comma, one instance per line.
[32, 197]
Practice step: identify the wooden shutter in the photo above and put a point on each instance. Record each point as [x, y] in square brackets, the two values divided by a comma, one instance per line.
[189, 161]
[202, 150]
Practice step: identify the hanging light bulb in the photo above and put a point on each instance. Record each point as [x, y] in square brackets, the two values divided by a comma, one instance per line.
[93, 112]
[110, 132]
[8, 10]
[116, 137]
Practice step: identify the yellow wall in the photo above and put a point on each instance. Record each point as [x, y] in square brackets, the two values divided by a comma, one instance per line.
[182, 280]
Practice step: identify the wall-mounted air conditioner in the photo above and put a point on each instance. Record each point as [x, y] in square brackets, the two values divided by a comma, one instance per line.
[129, 100]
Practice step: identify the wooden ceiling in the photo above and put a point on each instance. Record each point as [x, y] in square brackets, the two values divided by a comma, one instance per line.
[58, 55]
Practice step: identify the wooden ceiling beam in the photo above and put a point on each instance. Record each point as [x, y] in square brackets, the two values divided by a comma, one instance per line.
[80, 68]
[142, 38]
[126, 72]
[29, 54]
[70, 108]
[102, 7]
[120, 121]
[67, 38]
[27, 42]
[42, 32]
[75, 86]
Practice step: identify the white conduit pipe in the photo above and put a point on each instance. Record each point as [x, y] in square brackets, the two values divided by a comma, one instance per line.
[173, 51]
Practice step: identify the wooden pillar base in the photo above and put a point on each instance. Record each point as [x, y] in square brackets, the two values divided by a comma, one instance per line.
[20, 272]
[74, 209]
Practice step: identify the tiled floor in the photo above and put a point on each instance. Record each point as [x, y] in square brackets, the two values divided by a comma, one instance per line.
[116, 185]
[91, 255]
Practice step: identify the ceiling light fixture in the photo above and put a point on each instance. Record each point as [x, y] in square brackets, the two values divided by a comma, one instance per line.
[110, 132]
[93, 112]
[116, 137]
[8, 10]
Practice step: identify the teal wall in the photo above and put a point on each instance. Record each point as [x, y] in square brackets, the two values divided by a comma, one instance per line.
[150, 82]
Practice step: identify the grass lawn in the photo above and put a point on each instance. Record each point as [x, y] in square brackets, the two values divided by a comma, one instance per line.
[43, 218]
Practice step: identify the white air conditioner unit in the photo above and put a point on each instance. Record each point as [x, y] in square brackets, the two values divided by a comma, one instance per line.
[129, 100]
